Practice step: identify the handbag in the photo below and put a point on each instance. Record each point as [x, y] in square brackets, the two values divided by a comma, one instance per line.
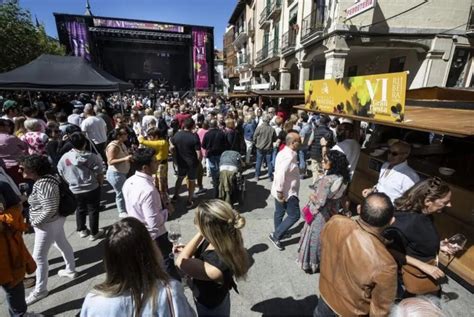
[307, 215]
[418, 282]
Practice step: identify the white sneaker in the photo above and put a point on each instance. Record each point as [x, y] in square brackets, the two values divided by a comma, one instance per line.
[84, 233]
[99, 235]
[65, 273]
[201, 191]
[123, 215]
[35, 296]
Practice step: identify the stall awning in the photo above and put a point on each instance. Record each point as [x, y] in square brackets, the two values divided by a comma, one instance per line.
[453, 122]
[269, 94]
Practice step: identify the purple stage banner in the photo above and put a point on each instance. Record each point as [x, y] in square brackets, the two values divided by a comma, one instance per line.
[110, 23]
[78, 39]
[201, 74]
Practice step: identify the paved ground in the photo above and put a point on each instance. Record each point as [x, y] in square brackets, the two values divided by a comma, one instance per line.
[275, 286]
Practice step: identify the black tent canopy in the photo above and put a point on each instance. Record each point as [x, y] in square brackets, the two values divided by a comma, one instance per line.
[61, 73]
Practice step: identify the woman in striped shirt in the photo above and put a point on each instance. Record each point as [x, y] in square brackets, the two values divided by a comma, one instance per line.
[46, 221]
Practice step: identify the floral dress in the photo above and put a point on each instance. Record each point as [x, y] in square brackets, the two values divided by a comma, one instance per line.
[36, 142]
[329, 191]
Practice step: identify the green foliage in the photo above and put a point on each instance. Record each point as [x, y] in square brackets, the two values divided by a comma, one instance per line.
[20, 40]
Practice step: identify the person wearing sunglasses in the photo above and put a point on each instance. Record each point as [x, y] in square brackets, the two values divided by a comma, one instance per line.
[395, 177]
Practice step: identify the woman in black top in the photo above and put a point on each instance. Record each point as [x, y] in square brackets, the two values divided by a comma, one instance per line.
[413, 232]
[214, 256]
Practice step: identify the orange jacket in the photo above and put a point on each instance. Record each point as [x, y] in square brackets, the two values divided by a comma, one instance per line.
[15, 259]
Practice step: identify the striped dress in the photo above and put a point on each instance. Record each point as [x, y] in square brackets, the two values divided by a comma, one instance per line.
[44, 200]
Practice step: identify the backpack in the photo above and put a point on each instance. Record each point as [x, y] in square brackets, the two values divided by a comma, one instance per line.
[67, 200]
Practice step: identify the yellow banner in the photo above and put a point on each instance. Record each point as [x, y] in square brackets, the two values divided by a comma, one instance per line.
[379, 96]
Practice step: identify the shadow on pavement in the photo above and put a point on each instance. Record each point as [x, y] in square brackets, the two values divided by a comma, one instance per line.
[257, 248]
[287, 306]
[60, 309]
[255, 197]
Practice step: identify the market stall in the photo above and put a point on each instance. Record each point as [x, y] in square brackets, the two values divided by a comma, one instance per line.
[442, 139]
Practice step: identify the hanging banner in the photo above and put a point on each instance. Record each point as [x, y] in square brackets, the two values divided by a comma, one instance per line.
[379, 96]
[78, 39]
[111, 23]
[201, 74]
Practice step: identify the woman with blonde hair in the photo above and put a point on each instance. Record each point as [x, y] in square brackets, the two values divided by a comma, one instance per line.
[135, 285]
[214, 256]
[20, 129]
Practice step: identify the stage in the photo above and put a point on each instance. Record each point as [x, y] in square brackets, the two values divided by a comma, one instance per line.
[176, 56]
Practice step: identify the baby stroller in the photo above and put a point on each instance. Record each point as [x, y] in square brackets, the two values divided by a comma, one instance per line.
[231, 179]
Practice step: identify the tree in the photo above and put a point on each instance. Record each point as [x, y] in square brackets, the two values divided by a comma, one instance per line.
[20, 40]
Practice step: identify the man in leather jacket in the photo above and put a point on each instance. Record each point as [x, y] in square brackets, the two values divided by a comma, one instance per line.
[358, 274]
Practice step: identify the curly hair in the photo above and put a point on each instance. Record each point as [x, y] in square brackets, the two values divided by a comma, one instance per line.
[39, 164]
[414, 199]
[339, 165]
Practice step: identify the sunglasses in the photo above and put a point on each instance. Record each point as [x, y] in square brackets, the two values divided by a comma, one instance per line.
[393, 153]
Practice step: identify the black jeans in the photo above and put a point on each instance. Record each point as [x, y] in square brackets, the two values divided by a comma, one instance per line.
[88, 203]
[16, 299]
[166, 247]
[323, 310]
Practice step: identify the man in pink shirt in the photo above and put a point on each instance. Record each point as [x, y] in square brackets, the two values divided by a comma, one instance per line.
[142, 201]
[285, 188]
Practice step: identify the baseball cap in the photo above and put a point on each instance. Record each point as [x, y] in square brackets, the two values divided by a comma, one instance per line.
[9, 104]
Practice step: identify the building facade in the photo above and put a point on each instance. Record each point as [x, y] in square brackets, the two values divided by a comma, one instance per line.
[283, 43]
[231, 76]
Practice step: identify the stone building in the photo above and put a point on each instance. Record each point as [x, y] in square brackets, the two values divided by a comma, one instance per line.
[296, 40]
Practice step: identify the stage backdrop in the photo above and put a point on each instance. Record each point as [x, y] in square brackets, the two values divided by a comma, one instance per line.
[201, 74]
[78, 39]
[379, 96]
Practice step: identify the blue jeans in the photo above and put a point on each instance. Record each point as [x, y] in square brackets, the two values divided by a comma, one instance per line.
[302, 160]
[116, 179]
[16, 299]
[274, 155]
[214, 168]
[222, 310]
[292, 208]
[268, 157]
[323, 310]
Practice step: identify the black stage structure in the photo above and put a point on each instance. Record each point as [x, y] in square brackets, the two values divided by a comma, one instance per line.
[178, 57]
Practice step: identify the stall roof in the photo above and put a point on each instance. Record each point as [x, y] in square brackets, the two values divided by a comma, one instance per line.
[453, 122]
[61, 73]
[269, 94]
[441, 94]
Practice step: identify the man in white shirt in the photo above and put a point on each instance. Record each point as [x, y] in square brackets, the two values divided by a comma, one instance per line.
[285, 188]
[95, 129]
[395, 176]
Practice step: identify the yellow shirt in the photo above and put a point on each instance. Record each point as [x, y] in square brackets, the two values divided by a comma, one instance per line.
[160, 146]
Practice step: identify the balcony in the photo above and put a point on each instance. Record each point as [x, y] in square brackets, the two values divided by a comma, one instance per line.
[275, 9]
[240, 37]
[271, 11]
[244, 62]
[313, 24]
[470, 23]
[288, 41]
[264, 21]
[268, 52]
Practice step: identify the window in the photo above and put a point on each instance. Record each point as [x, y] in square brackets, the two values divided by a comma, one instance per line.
[397, 64]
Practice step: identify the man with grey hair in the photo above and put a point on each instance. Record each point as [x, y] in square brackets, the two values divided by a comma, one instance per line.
[263, 139]
[95, 129]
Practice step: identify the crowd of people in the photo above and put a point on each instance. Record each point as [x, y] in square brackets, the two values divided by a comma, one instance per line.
[385, 251]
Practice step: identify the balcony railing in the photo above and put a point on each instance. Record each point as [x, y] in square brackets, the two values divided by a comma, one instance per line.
[288, 40]
[271, 10]
[275, 9]
[314, 22]
[243, 59]
[271, 49]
